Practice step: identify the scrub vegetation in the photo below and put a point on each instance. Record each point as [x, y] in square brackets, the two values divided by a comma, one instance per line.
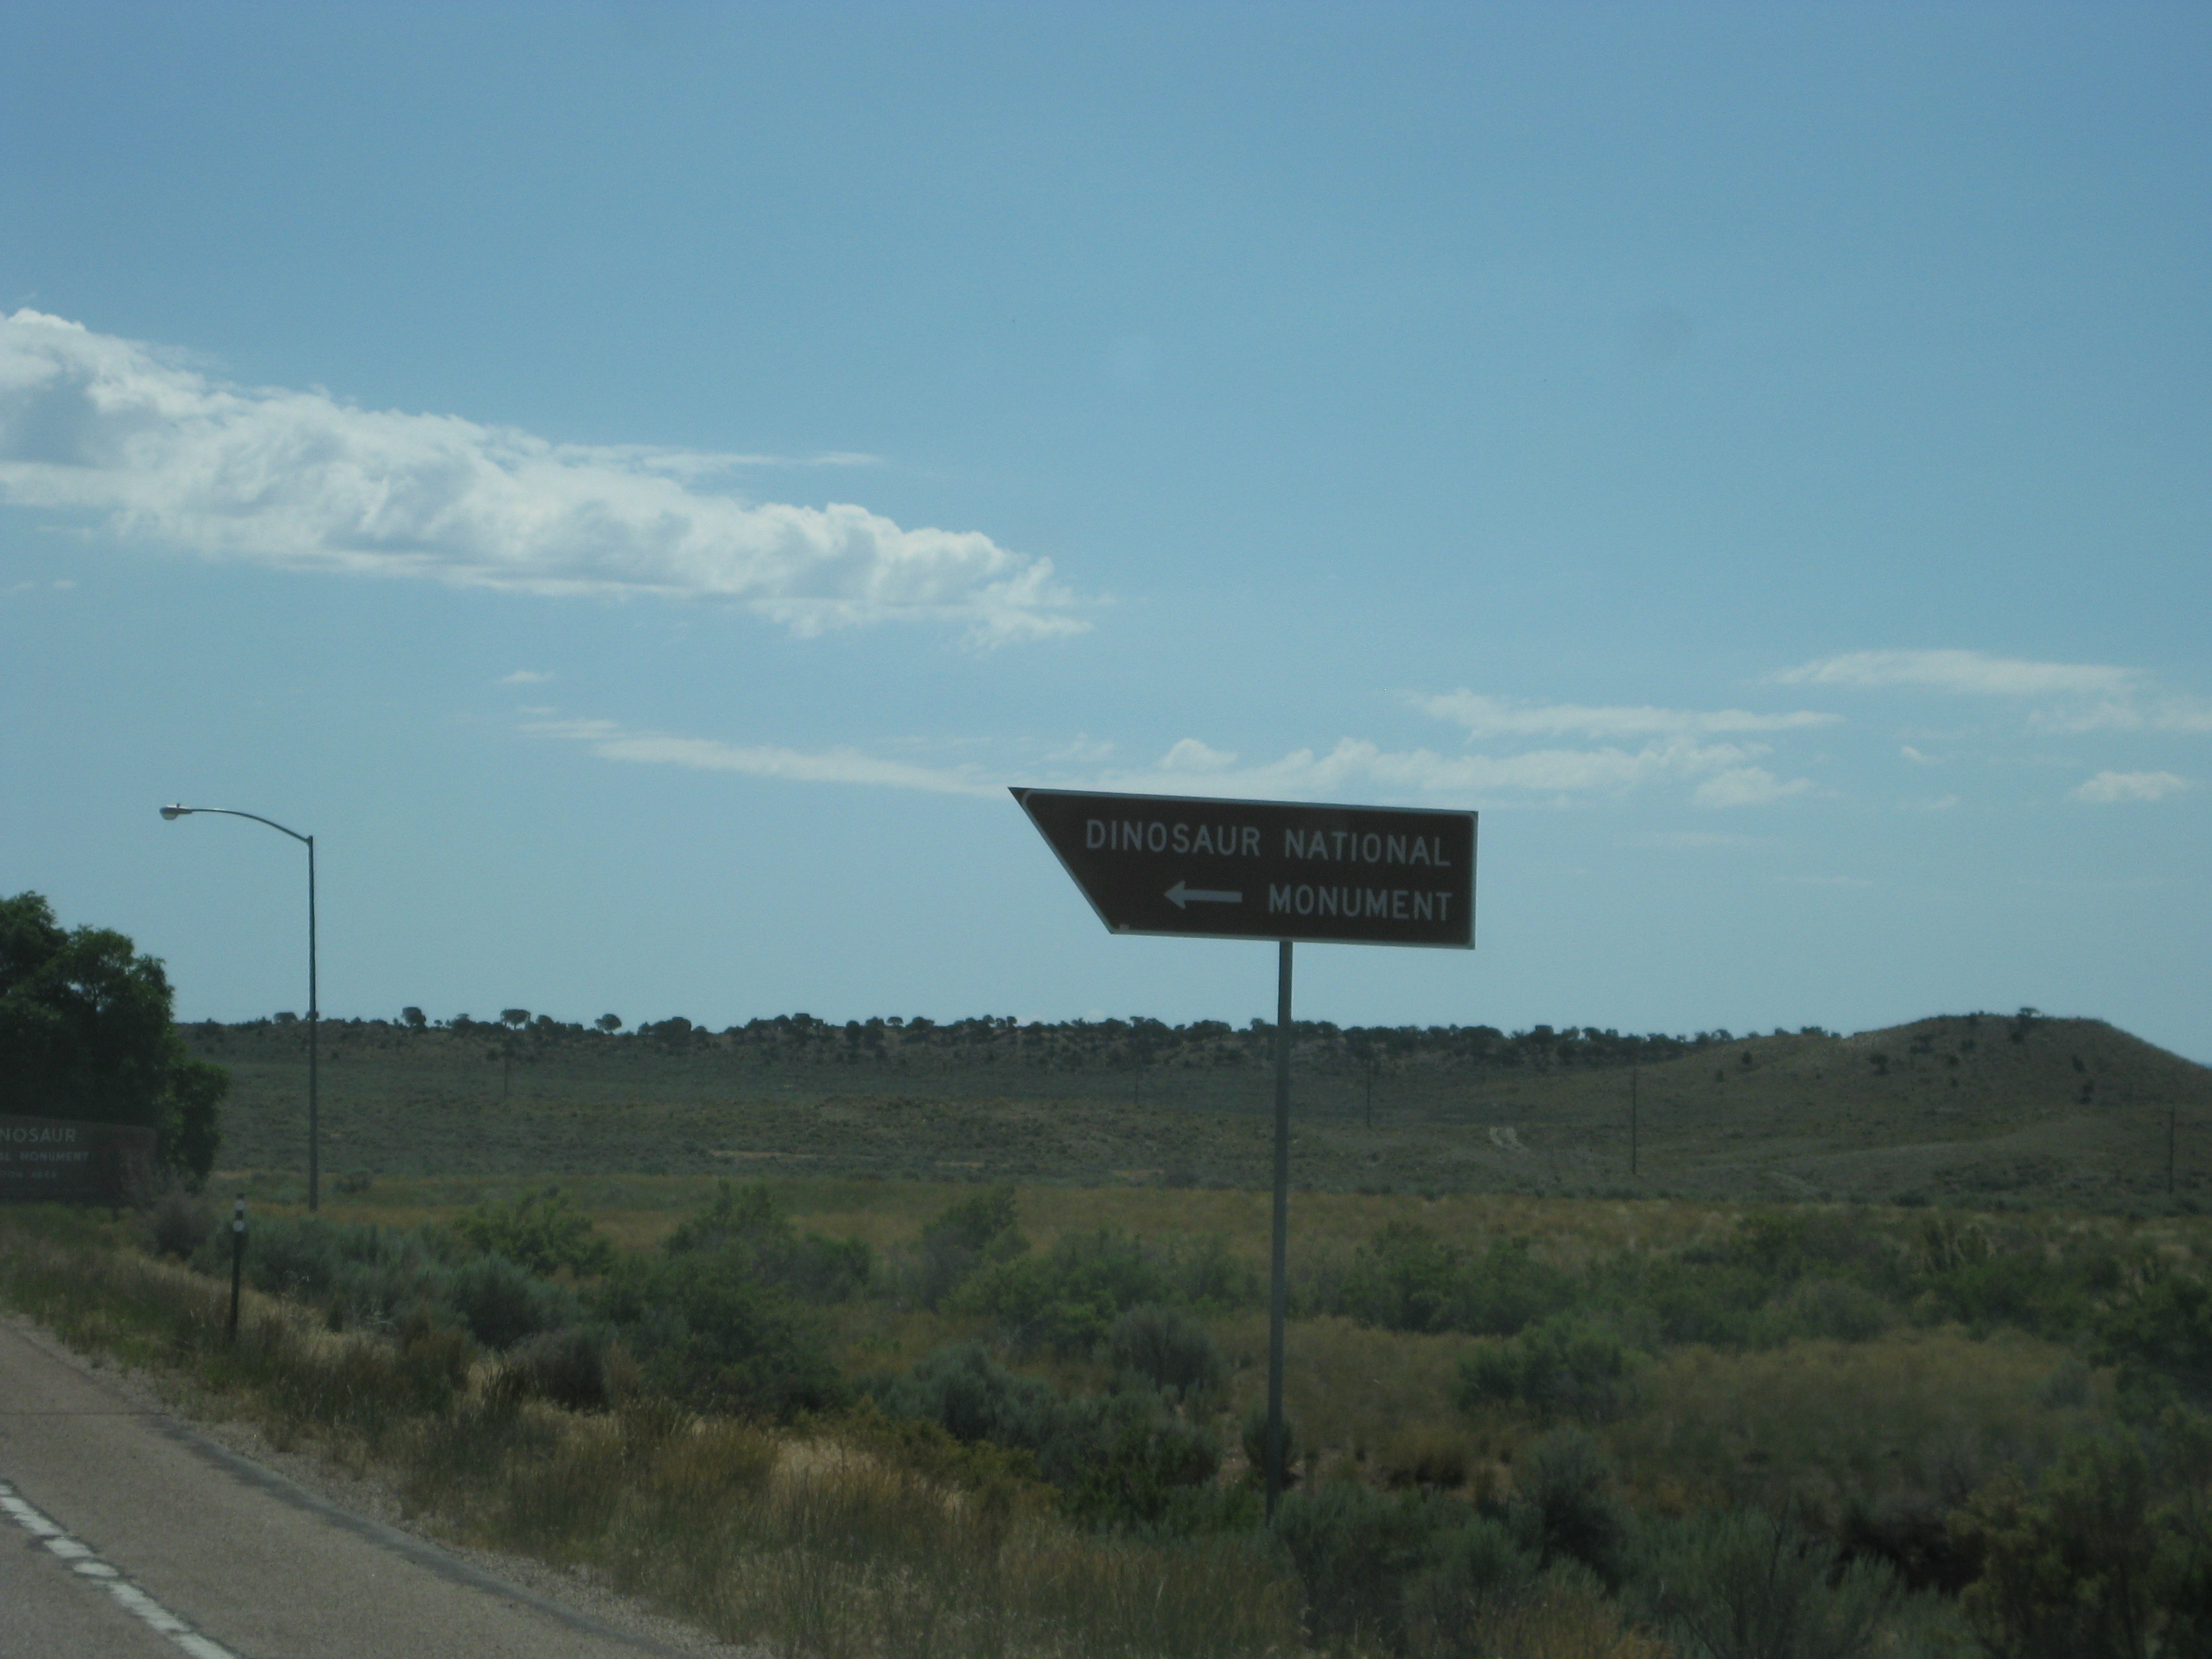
[849, 1416]
[1981, 1109]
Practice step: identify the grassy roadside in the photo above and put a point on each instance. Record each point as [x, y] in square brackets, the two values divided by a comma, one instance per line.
[835, 1538]
[1561, 1427]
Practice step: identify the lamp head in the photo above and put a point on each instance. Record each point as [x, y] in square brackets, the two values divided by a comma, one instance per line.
[173, 814]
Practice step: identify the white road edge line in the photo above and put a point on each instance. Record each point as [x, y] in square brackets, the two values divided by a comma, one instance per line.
[87, 1565]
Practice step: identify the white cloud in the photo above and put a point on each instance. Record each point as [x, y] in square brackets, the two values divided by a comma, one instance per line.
[1353, 768]
[1356, 766]
[1747, 786]
[1931, 803]
[524, 676]
[1192, 756]
[93, 423]
[2189, 715]
[1484, 717]
[1965, 672]
[2107, 788]
[1084, 748]
[610, 741]
[688, 464]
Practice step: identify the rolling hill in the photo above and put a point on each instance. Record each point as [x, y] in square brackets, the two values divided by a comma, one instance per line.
[1977, 1109]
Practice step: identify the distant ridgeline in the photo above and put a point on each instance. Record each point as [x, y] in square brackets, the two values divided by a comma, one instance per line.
[1107, 1044]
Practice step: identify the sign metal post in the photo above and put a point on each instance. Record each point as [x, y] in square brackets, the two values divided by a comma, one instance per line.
[1267, 870]
[1279, 1279]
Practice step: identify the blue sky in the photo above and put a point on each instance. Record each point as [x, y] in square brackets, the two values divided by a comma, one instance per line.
[637, 482]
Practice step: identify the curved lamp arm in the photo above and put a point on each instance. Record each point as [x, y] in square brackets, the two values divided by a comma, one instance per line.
[174, 811]
[173, 814]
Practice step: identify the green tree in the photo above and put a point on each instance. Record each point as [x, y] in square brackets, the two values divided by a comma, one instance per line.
[85, 1034]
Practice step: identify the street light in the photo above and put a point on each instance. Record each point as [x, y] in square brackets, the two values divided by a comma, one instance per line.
[315, 1137]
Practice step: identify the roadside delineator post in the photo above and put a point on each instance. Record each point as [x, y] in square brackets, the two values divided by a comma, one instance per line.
[1197, 868]
[237, 1262]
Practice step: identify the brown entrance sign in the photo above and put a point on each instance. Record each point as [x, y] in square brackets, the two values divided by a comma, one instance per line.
[1244, 869]
[53, 1157]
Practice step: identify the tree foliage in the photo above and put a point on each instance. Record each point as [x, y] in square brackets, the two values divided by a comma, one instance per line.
[85, 1034]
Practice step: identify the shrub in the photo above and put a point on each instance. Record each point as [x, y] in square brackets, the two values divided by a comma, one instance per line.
[1168, 1349]
[2181, 1566]
[1567, 1505]
[358, 1271]
[1696, 1296]
[974, 1398]
[1476, 1571]
[540, 1231]
[747, 1229]
[1405, 1278]
[2163, 1331]
[1122, 1461]
[1355, 1550]
[1212, 1280]
[1565, 1367]
[1067, 1301]
[181, 1223]
[1564, 1614]
[965, 1237]
[1836, 1309]
[500, 1303]
[1118, 1459]
[1744, 1585]
[2108, 1556]
[384, 1277]
[1425, 1459]
[706, 1334]
[566, 1366]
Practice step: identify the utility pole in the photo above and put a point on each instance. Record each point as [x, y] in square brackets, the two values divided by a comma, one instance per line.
[1632, 1072]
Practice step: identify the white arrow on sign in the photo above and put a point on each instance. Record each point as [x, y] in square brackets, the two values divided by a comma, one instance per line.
[1179, 896]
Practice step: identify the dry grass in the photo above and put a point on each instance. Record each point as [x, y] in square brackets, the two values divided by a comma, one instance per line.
[1824, 1424]
[814, 1543]
[1349, 1389]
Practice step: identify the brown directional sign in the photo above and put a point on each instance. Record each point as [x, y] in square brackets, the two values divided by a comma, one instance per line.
[1253, 869]
[49, 1158]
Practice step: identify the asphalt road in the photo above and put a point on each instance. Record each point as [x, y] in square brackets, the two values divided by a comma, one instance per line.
[123, 1534]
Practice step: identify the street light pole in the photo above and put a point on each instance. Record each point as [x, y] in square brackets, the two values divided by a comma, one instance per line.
[314, 1012]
